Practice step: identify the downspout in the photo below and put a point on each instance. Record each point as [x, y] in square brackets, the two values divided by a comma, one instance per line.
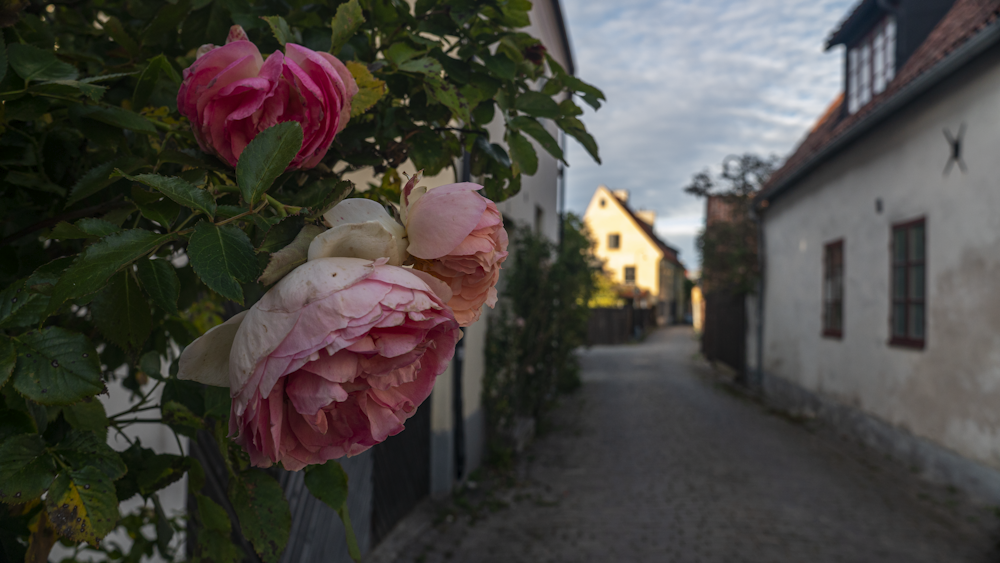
[457, 405]
[759, 372]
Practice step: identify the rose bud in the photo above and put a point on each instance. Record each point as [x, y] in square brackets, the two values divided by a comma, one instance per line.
[331, 361]
[230, 94]
[457, 236]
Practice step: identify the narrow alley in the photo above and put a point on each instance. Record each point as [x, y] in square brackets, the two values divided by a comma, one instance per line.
[654, 460]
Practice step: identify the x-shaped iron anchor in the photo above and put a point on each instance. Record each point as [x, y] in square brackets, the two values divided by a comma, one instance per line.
[956, 149]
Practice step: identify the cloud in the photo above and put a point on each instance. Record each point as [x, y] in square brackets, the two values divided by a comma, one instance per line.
[689, 83]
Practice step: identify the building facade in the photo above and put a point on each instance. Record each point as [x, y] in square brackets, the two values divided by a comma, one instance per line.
[634, 256]
[880, 242]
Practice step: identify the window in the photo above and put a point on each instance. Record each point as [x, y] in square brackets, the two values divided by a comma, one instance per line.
[871, 64]
[630, 274]
[614, 241]
[909, 272]
[833, 289]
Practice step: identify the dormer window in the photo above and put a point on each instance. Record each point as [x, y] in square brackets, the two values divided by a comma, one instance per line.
[871, 64]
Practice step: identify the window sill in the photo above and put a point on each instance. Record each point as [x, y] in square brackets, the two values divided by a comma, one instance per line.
[907, 343]
[833, 334]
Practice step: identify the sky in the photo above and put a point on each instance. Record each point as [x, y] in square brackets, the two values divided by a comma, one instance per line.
[689, 82]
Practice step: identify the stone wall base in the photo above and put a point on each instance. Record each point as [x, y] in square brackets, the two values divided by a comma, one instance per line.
[934, 462]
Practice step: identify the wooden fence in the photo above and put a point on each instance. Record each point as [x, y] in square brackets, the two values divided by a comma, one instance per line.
[618, 326]
[724, 337]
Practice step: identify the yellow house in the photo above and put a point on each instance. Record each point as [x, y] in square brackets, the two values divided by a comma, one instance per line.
[633, 254]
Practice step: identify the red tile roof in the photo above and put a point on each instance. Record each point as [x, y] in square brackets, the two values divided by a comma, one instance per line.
[965, 20]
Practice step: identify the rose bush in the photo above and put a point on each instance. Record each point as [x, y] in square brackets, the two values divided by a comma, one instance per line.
[230, 94]
[457, 236]
[331, 361]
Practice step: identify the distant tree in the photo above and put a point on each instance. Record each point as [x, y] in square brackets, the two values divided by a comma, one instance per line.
[728, 244]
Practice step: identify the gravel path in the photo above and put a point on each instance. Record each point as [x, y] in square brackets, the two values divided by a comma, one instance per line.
[652, 460]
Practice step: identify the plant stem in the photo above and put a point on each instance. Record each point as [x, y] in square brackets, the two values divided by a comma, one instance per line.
[279, 207]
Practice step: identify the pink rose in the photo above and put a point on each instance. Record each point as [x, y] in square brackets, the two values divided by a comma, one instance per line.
[331, 361]
[457, 236]
[231, 93]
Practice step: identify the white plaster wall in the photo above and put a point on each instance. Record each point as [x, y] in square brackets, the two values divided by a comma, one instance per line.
[948, 392]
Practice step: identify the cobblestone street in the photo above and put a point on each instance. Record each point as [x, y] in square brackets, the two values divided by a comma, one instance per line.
[653, 460]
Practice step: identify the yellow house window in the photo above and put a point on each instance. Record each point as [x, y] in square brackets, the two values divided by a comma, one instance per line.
[630, 274]
[614, 241]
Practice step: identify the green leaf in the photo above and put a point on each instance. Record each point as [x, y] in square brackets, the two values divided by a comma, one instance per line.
[217, 402]
[290, 257]
[163, 211]
[179, 190]
[569, 109]
[45, 277]
[32, 63]
[147, 80]
[56, 366]
[103, 259]
[160, 281]
[99, 177]
[449, 96]
[535, 129]
[370, 89]
[155, 472]
[8, 359]
[117, 32]
[281, 235]
[82, 506]
[575, 128]
[336, 192]
[69, 88]
[537, 104]
[26, 469]
[280, 29]
[81, 449]
[263, 512]
[214, 544]
[121, 313]
[19, 307]
[265, 158]
[493, 150]
[328, 483]
[222, 257]
[522, 153]
[423, 65]
[97, 227]
[345, 24]
[164, 530]
[117, 117]
[149, 363]
[3, 59]
[87, 415]
[500, 65]
[181, 419]
[400, 52]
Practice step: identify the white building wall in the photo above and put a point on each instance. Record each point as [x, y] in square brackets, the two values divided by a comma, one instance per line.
[948, 392]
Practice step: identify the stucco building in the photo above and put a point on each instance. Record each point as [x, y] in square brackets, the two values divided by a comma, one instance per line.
[633, 255]
[880, 237]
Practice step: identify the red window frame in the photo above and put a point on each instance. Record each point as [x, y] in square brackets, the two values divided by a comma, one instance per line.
[833, 289]
[908, 284]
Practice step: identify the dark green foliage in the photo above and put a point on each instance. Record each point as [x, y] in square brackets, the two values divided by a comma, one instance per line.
[121, 240]
[729, 246]
[540, 320]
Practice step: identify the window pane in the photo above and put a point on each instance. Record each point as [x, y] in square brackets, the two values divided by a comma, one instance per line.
[879, 67]
[890, 49]
[899, 319]
[917, 242]
[917, 321]
[852, 81]
[917, 282]
[864, 84]
[899, 245]
[837, 316]
[899, 282]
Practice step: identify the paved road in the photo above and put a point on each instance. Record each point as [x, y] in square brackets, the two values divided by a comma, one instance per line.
[652, 461]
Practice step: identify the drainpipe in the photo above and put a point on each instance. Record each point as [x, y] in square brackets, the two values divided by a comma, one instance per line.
[458, 408]
[759, 372]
